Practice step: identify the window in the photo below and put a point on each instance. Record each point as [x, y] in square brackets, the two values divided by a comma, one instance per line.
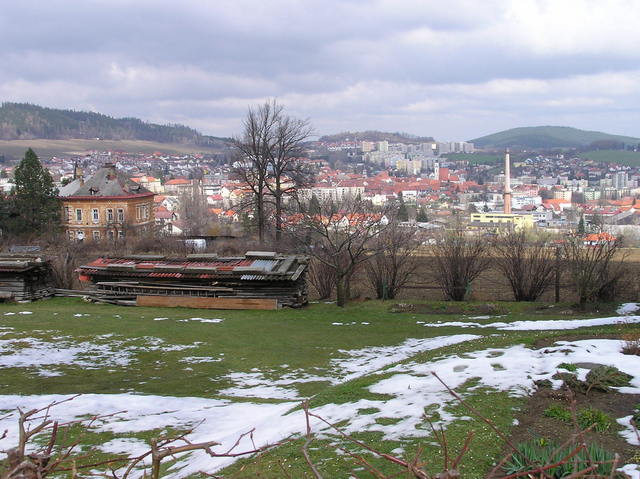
[142, 212]
[72, 235]
[110, 215]
[120, 234]
[67, 214]
[120, 213]
[95, 215]
[110, 235]
[96, 236]
[78, 214]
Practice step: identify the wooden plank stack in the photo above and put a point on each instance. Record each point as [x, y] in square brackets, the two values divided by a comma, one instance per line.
[24, 277]
[257, 278]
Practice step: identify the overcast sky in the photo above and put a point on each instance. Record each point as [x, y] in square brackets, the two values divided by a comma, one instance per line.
[452, 69]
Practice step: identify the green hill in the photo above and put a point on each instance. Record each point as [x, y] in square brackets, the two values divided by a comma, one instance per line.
[23, 121]
[537, 137]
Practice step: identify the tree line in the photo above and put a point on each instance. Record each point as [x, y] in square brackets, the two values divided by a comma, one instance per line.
[25, 121]
[389, 256]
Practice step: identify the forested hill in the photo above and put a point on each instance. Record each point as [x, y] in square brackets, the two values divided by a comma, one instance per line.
[553, 137]
[23, 121]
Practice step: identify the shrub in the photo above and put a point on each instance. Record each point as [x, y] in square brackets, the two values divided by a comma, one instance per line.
[631, 344]
[558, 412]
[570, 381]
[636, 415]
[543, 383]
[600, 421]
[603, 378]
[568, 366]
[535, 453]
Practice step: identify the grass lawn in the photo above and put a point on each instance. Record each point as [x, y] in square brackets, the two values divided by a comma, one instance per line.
[260, 364]
[48, 148]
[478, 158]
[621, 157]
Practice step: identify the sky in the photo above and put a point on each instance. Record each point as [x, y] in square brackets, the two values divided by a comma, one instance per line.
[454, 69]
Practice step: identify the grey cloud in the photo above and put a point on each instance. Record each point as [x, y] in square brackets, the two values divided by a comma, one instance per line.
[387, 64]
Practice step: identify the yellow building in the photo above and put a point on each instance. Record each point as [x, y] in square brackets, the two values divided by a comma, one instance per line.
[502, 219]
[107, 205]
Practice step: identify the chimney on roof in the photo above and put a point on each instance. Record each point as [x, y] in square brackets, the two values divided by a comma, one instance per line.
[77, 173]
[112, 170]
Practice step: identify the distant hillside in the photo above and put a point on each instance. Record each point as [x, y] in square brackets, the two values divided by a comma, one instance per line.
[396, 137]
[535, 137]
[23, 121]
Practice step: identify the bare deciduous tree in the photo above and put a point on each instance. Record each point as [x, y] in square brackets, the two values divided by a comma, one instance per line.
[390, 269]
[287, 172]
[268, 160]
[194, 212]
[252, 160]
[596, 270]
[340, 236]
[527, 263]
[458, 259]
[322, 277]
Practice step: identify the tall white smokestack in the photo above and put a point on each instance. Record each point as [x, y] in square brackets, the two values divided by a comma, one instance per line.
[507, 183]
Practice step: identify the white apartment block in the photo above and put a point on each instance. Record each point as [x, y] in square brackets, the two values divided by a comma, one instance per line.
[331, 193]
[564, 194]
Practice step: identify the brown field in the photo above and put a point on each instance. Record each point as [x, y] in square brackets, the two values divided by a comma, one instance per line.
[49, 148]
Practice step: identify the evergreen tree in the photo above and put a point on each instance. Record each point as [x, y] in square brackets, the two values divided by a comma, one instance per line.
[314, 205]
[581, 228]
[5, 215]
[422, 217]
[403, 213]
[35, 197]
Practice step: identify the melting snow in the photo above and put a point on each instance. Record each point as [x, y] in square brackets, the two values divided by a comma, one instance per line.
[203, 320]
[547, 325]
[411, 387]
[28, 352]
[629, 433]
[356, 363]
[628, 308]
[360, 362]
[224, 421]
[631, 470]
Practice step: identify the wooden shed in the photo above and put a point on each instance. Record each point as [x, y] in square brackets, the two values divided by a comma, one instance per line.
[257, 280]
[24, 277]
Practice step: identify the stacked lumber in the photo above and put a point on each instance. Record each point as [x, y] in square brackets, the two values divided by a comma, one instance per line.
[24, 277]
[255, 279]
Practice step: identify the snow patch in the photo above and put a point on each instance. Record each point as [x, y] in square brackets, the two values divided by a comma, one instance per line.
[629, 433]
[628, 308]
[29, 352]
[360, 362]
[546, 325]
[203, 320]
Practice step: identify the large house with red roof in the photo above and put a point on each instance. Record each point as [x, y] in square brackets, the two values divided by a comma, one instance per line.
[107, 205]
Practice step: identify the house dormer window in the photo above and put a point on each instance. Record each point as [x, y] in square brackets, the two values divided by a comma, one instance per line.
[93, 191]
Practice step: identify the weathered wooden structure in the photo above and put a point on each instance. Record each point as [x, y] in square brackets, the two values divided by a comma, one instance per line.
[24, 277]
[257, 280]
